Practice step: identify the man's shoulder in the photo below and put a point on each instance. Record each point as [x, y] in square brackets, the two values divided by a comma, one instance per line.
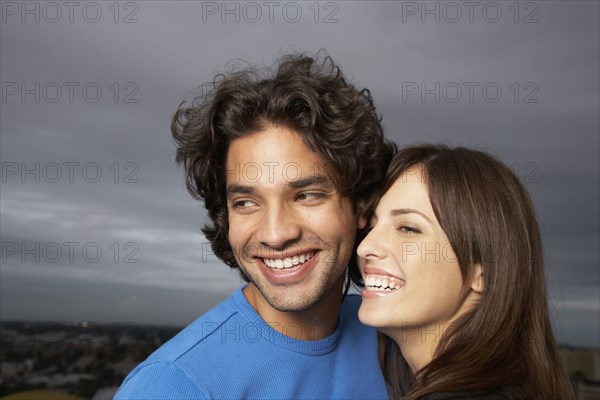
[199, 359]
[167, 372]
[159, 380]
[197, 331]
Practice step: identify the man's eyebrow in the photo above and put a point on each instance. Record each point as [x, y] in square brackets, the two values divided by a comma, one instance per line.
[402, 211]
[318, 180]
[239, 189]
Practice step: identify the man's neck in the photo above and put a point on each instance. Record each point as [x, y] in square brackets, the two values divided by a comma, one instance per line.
[314, 323]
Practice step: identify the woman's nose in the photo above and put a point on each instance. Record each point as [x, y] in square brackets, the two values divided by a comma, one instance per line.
[371, 246]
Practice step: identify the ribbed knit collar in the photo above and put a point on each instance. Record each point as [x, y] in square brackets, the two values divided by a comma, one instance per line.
[310, 347]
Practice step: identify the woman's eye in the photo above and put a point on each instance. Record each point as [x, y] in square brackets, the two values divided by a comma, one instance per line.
[409, 229]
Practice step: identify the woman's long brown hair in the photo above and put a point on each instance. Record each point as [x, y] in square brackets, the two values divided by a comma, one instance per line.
[506, 341]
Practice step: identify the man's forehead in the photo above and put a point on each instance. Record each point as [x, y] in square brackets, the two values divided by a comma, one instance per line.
[274, 155]
[292, 175]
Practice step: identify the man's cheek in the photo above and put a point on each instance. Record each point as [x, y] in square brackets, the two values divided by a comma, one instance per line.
[328, 256]
[247, 252]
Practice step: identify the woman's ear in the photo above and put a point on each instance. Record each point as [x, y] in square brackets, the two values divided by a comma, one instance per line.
[477, 280]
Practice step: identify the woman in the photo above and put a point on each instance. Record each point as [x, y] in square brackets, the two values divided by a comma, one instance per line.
[454, 282]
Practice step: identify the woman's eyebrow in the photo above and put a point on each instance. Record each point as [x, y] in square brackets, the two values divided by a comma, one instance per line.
[402, 211]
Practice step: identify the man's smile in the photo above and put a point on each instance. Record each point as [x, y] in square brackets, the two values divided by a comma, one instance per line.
[288, 262]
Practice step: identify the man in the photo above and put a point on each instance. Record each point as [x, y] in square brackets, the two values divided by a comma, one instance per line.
[285, 165]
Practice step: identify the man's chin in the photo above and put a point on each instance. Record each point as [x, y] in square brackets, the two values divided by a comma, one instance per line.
[289, 301]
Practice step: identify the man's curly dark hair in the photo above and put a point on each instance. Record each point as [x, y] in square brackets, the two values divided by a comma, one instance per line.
[307, 95]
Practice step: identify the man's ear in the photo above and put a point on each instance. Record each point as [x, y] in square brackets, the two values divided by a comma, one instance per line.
[362, 222]
[477, 280]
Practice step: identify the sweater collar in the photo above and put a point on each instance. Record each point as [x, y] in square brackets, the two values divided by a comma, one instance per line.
[259, 327]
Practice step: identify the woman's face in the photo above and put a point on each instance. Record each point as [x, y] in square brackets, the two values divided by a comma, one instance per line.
[412, 278]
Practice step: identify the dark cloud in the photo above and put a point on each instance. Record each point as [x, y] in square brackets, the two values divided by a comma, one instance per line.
[544, 124]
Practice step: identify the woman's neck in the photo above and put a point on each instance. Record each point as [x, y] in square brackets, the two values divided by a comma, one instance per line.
[417, 343]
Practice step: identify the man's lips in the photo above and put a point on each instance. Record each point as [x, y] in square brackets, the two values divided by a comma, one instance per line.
[288, 270]
[288, 261]
[289, 258]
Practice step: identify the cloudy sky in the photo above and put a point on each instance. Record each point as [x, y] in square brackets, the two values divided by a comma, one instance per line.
[95, 222]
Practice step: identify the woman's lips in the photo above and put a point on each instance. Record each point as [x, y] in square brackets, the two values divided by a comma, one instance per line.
[380, 283]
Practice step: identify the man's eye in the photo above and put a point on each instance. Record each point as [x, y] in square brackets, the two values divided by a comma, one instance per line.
[310, 196]
[242, 204]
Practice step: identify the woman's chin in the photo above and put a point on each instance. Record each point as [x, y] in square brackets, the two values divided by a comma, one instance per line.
[369, 316]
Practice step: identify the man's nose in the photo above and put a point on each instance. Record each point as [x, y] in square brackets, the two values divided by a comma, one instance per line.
[279, 226]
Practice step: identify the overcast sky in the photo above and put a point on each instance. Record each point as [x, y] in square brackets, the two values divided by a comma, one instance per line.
[95, 222]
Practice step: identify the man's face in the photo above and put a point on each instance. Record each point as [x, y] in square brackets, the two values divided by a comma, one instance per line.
[292, 233]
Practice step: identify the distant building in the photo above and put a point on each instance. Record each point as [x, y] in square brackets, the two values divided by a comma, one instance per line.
[582, 362]
[587, 390]
[10, 370]
[583, 366]
[58, 379]
[42, 395]
[106, 393]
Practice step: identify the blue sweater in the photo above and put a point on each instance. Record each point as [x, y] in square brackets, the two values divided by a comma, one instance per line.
[231, 353]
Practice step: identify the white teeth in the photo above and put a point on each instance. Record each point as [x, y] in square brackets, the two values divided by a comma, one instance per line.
[288, 262]
[381, 283]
